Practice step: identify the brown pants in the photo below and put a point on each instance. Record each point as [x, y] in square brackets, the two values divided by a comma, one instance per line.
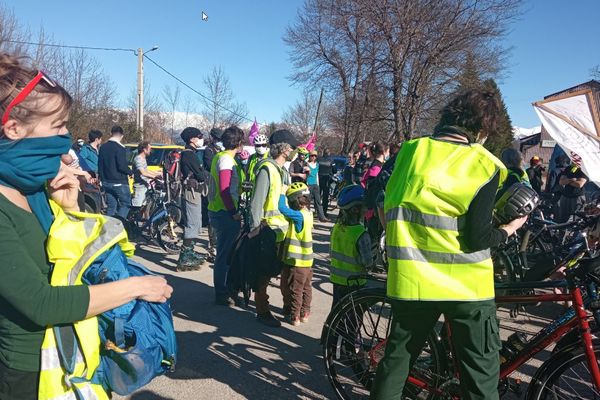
[261, 298]
[296, 289]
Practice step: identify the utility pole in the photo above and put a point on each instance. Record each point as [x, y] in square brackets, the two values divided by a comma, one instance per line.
[140, 93]
[140, 90]
[318, 111]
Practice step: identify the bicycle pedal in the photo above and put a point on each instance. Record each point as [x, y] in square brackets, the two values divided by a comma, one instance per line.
[515, 386]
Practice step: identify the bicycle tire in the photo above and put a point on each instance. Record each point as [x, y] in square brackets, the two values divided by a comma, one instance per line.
[551, 382]
[169, 235]
[351, 353]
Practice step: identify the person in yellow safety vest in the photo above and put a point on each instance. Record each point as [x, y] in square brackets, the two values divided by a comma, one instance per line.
[438, 209]
[34, 111]
[269, 206]
[296, 274]
[223, 210]
[513, 160]
[261, 147]
[350, 247]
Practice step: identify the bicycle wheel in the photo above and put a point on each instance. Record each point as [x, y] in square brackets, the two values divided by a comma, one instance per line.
[169, 234]
[565, 375]
[354, 339]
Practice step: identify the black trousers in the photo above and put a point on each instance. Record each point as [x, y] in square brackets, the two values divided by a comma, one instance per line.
[324, 181]
[475, 338]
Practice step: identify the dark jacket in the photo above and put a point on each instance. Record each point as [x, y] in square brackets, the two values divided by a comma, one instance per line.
[112, 163]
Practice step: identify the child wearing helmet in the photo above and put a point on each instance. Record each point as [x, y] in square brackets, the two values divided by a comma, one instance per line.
[350, 248]
[296, 275]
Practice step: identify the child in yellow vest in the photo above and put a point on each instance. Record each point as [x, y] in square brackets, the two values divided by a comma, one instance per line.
[296, 275]
[350, 247]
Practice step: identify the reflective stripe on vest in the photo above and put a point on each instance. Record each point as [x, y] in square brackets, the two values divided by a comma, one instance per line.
[215, 202]
[75, 240]
[298, 245]
[344, 254]
[427, 198]
[272, 215]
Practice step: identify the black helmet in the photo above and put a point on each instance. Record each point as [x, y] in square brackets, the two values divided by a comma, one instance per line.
[518, 201]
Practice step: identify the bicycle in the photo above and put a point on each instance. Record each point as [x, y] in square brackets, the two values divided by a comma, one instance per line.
[355, 334]
[158, 219]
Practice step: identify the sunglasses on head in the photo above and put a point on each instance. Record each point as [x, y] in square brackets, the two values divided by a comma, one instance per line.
[27, 89]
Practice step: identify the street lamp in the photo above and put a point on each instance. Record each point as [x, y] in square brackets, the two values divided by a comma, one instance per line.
[140, 90]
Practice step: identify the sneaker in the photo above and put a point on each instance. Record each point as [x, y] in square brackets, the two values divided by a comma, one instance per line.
[224, 301]
[304, 317]
[239, 301]
[187, 261]
[295, 321]
[268, 319]
[324, 219]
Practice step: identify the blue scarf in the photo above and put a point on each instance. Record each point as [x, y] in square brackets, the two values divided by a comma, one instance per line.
[27, 164]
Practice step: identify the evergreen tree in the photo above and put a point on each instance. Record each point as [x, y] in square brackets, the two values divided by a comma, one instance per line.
[504, 137]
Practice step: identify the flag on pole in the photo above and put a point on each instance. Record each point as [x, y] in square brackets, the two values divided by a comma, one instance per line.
[570, 121]
[310, 145]
[253, 132]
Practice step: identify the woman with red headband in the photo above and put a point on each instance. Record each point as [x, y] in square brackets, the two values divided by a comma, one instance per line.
[33, 136]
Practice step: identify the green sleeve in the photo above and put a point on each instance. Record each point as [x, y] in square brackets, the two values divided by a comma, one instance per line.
[27, 288]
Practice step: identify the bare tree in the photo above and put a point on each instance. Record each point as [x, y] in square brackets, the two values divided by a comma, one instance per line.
[221, 107]
[595, 72]
[171, 97]
[392, 63]
[301, 116]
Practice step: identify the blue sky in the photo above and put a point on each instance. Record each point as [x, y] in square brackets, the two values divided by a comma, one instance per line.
[554, 45]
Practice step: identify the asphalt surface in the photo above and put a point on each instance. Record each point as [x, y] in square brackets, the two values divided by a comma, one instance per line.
[224, 353]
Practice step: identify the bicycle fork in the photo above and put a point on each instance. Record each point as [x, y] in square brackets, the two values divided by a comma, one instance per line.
[586, 337]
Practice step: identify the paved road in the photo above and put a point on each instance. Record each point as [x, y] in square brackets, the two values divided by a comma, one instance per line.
[225, 354]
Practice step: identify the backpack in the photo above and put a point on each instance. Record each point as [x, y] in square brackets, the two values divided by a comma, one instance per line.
[138, 338]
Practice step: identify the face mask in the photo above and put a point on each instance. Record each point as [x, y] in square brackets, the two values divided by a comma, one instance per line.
[220, 146]
[261, 151]
[200, 142]
[27, 164]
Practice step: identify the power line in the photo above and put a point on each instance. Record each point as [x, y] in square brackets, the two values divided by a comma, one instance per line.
[135, 52]
[72, 47]
[197, 92]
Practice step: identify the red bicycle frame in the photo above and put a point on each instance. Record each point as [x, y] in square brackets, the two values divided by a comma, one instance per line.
[576, 317]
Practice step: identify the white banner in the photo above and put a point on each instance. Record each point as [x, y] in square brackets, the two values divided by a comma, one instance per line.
[570, 122]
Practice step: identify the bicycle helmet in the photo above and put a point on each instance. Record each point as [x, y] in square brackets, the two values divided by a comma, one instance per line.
[302, 150]
[518, 201]
[296, 190]
[261, 139]
[351, 196]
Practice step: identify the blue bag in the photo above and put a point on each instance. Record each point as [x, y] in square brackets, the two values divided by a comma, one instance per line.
[138, 337]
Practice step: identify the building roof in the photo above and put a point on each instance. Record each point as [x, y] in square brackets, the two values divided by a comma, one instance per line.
[594, 85]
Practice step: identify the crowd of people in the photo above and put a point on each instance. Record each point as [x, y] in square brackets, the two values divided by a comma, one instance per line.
[434, 197]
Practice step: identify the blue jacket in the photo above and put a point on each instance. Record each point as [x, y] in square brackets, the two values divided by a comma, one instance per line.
[90, 156]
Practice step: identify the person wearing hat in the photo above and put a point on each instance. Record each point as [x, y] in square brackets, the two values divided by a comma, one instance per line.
[312, 180]
[350, 248]
[268, 206]
[194, 176]
[214, 146]
[296, 275]
[534, 172]
[299, 167]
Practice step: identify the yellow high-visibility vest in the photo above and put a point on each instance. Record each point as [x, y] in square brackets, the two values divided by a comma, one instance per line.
[345, 259]
[75, 240]
[215, 202]
[298, 245]
[426, 200]
[272, 216]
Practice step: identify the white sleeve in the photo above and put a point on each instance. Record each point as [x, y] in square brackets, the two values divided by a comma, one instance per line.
[225, 163]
